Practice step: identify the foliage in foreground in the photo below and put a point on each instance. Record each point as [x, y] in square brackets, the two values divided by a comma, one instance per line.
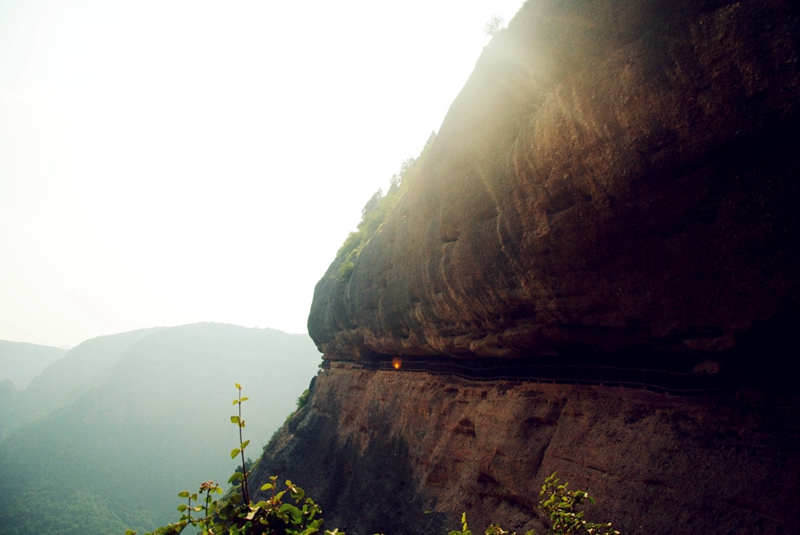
[559, 504]
[236, 514]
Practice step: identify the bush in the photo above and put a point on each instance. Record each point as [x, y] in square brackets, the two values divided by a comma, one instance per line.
[236, 514]
[560, 505]
[377, 210]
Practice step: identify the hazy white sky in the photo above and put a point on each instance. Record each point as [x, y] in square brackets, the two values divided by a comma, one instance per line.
[172, 161]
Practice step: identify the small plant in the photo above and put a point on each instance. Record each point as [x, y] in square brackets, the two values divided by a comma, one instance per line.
[236, 514]
[494, 25]
[464, 528]
[302, 401]
[561, 506]
[559, 503]
[237, 419]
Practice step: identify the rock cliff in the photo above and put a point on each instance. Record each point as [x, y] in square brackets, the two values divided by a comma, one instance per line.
[615, 178]
[614, 173]
[406, 453]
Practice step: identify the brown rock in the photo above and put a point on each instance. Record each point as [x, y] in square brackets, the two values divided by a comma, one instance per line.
[379, 449]
[613, 174]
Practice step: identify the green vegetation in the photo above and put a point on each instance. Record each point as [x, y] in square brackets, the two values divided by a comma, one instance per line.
[304, 397]
[236, 513]
[560, 505]
[377, 210]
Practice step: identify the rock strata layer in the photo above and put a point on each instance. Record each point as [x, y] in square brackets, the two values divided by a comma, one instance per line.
[406, 453]
[613, 174]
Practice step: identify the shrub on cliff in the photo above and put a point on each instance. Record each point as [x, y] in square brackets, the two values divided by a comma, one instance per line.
[378, 208]
[560, 505]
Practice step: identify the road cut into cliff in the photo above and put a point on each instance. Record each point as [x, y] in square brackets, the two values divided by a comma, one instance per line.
[698, 382]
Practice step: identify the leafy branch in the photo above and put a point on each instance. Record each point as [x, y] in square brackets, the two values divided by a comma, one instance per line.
[242, 445]
[560, 504]
[237, 514]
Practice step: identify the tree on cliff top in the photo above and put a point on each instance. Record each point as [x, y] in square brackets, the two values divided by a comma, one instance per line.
[378, 208]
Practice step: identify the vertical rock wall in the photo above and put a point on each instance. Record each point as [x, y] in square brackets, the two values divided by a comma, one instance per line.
[407, 453]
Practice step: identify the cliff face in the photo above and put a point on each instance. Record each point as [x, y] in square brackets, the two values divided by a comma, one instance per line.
[406, 453]
[615, 177]
[614, 173]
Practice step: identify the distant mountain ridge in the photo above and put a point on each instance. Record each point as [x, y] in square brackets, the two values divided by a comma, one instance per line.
[20, 362]
[70, 376]
[122, 423]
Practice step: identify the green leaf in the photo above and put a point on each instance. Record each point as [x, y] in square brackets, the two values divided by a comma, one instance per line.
[245, 443]
[267, 486]
[238, 386]
[244, 398]
[235, 419]
[182, 507]
[236, 476]
[235, 452]
[183, 494]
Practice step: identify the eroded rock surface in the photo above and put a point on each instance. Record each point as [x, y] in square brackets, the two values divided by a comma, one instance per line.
[406, 453]
[613, 174]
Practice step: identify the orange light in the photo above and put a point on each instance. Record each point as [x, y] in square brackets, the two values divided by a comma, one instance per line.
[397, 362]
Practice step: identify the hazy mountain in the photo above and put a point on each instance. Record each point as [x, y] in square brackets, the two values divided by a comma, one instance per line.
[20, 362]
[67, 378]
[153, 418]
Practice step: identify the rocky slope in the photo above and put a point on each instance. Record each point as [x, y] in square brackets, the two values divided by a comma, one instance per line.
[615, 178]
